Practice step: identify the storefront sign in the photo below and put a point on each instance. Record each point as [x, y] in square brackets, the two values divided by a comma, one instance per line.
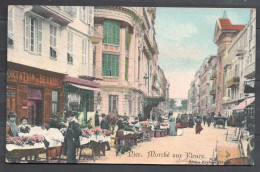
[30, 78]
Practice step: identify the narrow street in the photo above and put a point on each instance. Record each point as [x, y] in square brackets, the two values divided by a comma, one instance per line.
[186, 149]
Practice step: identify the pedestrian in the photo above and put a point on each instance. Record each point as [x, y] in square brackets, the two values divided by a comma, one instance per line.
[105, 125]
[24, 127]
[191, 122]
[209, 121]
[198, 126]
[120, 124]
[11, 127]
[204, 119]
[71, 140]
[96, 119]
[172, 126]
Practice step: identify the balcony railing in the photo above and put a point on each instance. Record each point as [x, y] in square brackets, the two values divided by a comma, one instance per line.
[213, 75]
[239, 52]
[58, 14]
[250, 71]
[233, 82]
[212, 92]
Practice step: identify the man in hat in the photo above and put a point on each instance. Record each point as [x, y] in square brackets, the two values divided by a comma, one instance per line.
[71, 139]
[105, 125]
[11, 127]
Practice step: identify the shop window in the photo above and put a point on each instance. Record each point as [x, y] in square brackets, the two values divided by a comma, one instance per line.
[54, 102]
[110, 65]
[33, 34]
[10, 27]
[111, 32]
[53, 41]
[70, 48]
[113, 103]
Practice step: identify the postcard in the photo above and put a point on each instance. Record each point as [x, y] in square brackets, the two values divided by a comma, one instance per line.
[130, 85]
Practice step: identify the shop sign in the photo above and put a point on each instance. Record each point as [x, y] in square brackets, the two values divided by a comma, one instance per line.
[30, 78]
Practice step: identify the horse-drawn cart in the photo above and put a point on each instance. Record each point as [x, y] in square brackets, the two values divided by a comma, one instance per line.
[219, 121]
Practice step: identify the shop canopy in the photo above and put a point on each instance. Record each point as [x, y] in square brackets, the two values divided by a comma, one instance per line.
[245, 103]
[85, 87]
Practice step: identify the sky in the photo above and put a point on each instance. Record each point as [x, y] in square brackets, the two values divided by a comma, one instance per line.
[185, 38]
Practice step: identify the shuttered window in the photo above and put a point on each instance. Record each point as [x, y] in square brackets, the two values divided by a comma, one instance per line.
[110, 65]
[10, 27]
[33, 34]
[111, 32]
[126, 69]
[70, 48]
[53, 41]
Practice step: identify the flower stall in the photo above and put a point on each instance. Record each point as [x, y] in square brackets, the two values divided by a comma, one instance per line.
[36, 142]
[94, 139]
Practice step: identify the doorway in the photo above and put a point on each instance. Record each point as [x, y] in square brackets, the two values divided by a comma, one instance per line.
[35, 106]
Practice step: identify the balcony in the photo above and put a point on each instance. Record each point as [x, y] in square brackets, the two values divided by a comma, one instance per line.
[250, 71]
[212, 92]
[94, 35]
[239, 52]
[213, 75]
[233, 82]
[57, 14]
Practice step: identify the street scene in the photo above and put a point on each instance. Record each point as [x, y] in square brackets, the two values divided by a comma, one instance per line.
[130, 85]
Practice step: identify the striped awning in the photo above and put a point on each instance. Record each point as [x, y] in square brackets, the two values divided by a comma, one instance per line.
[245, 103]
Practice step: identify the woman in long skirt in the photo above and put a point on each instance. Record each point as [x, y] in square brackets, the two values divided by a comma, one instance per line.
[198, 126]
[172, 126]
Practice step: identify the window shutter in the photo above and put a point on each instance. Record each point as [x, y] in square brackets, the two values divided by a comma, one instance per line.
[39, 36]
[81, 13]
[71, 39]
[116, 65]
[90, 15]
[26, 32]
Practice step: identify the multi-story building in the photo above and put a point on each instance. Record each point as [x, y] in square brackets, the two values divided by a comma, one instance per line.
[239, 65]
[225, 33]
[124, 59]
[203, 86]
[211, 93]
[46, 60]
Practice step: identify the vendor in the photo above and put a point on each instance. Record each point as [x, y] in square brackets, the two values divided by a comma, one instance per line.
[96, 119]
[11, 127]
[71, 139]
[120, 124]
[24, 127]
[105, 125]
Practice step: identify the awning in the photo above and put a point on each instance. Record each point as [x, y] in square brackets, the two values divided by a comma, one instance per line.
[85, 87]
[245, 103]
[80, 81]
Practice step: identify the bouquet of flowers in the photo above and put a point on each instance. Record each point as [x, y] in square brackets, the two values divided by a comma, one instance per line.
[145, 124]
[165, 124]
[86, 132]
[96, 130]
[106, 132]
[21, 141]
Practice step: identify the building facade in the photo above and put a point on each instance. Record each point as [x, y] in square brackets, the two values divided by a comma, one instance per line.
[225, 33]
[51, 53]
[126, 59]
[204, 87]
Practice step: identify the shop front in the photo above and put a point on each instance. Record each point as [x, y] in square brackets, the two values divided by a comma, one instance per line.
[33, 93]
[78, 96]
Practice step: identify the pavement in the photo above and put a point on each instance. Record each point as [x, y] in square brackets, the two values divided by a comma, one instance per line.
[190, 148]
